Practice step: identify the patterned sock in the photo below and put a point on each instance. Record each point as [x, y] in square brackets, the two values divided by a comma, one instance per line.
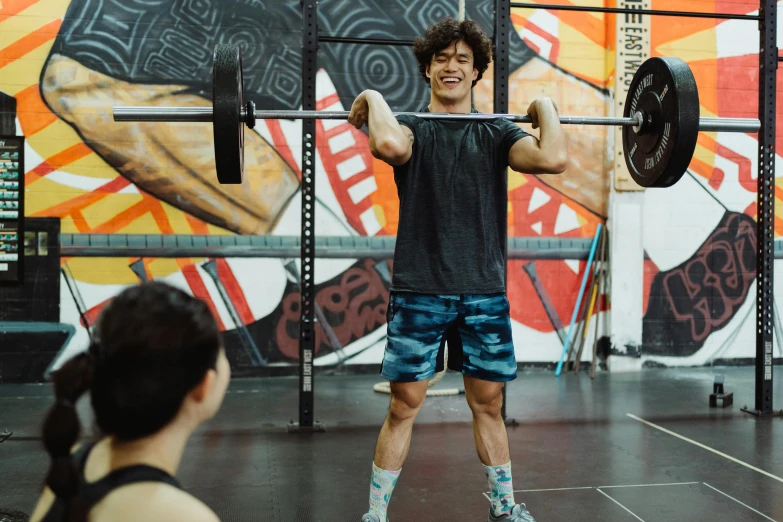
[500, 488]
[381, 487]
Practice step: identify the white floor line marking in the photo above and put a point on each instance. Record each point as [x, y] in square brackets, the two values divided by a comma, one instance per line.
[605, 487]
[650, 485]
[699, 444]
[550, 489]
[625, 508]
[738, 502]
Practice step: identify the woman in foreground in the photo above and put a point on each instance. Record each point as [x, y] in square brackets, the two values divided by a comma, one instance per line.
[155, 371]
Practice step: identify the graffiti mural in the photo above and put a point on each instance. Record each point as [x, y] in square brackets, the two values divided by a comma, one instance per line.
[66, 63]
[703, 294]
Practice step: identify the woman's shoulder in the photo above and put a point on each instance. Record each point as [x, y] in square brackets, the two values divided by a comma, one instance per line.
[151, 501]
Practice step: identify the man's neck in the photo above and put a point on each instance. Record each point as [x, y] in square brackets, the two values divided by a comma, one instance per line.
[461, 107]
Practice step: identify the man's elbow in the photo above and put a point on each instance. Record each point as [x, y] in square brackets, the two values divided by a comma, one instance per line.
[391, 151]
[555, 164]
[560, 165]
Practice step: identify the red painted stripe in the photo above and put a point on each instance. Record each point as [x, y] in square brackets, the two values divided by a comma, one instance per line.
[234, 291]
[91, 316]
[200, 291]
[330, 161]
[327, 102]
[555, 52]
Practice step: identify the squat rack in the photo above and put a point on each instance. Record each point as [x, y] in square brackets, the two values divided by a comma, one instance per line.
[768, 60]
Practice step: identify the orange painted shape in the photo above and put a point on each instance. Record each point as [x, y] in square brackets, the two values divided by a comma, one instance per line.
[34, 115]
[196, 225]
[9, 8]
[85, 200]
[590, 26]
[128, 215]
[30, 42]
[59, 160]
[665, 29]
[705, 73]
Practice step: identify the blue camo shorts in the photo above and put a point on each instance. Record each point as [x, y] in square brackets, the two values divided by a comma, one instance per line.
[476, 327]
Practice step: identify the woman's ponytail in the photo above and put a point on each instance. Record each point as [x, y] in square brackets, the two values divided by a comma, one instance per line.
[61, 428]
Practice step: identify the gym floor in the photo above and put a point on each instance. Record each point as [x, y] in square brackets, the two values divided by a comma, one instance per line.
[624, 447]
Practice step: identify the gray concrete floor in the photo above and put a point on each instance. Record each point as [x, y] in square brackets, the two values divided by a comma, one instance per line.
[623, 447]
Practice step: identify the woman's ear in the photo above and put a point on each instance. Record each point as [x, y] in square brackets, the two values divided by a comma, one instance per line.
[202, 390]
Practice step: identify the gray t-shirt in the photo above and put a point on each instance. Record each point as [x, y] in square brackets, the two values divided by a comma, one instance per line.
[453, 206]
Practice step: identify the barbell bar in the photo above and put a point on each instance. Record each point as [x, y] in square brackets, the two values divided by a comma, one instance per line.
[660, 121]
[205, 115]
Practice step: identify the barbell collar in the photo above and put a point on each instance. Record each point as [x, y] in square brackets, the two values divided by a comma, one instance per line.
[204, 114]
[729, 125]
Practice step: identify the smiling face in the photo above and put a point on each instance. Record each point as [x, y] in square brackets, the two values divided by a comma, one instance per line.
[451, 73]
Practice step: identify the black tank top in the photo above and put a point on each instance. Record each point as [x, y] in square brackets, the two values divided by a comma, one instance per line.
[93, 492]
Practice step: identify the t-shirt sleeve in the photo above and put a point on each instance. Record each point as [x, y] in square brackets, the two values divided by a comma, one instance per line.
[409, 121]
[510, 134]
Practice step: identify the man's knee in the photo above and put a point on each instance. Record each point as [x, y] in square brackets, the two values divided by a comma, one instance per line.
[485, 398]
[406, 400]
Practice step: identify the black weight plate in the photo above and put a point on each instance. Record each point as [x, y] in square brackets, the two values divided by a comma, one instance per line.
[228, 128]
[665, 91]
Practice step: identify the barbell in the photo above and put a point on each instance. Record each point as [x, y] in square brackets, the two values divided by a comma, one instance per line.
[660, 121]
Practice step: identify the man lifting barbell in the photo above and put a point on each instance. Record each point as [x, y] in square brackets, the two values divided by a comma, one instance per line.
[449, 262]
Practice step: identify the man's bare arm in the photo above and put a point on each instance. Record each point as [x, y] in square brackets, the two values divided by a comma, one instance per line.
[547, 154]
[389, 141]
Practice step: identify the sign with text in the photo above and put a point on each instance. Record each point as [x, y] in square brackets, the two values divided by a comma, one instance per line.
[11, 209]
[632, 48]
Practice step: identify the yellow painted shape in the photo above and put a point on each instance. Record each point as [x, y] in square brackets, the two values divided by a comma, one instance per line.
[515, 180]
[694, 47]
[705, 155]
[19, 26]
[21, 74]
[91, 165]
[54, 139]
[380, 215]
[146, 224]
[50, 9]
[217, 231]
[44, 194]
[67, 226]
[103, 270]
[107, 208]
[163, 267]
[177, 219]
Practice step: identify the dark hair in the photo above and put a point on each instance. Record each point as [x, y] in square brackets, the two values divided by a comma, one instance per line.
[153, 343]
[447, 30]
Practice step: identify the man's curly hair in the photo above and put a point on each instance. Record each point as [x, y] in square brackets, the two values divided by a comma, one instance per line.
[440, 35]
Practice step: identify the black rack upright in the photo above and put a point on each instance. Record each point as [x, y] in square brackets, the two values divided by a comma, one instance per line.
[307, 285]
[765, 222]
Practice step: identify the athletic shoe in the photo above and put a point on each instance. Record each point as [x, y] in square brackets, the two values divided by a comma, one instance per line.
[518, 514]
[372, 517]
